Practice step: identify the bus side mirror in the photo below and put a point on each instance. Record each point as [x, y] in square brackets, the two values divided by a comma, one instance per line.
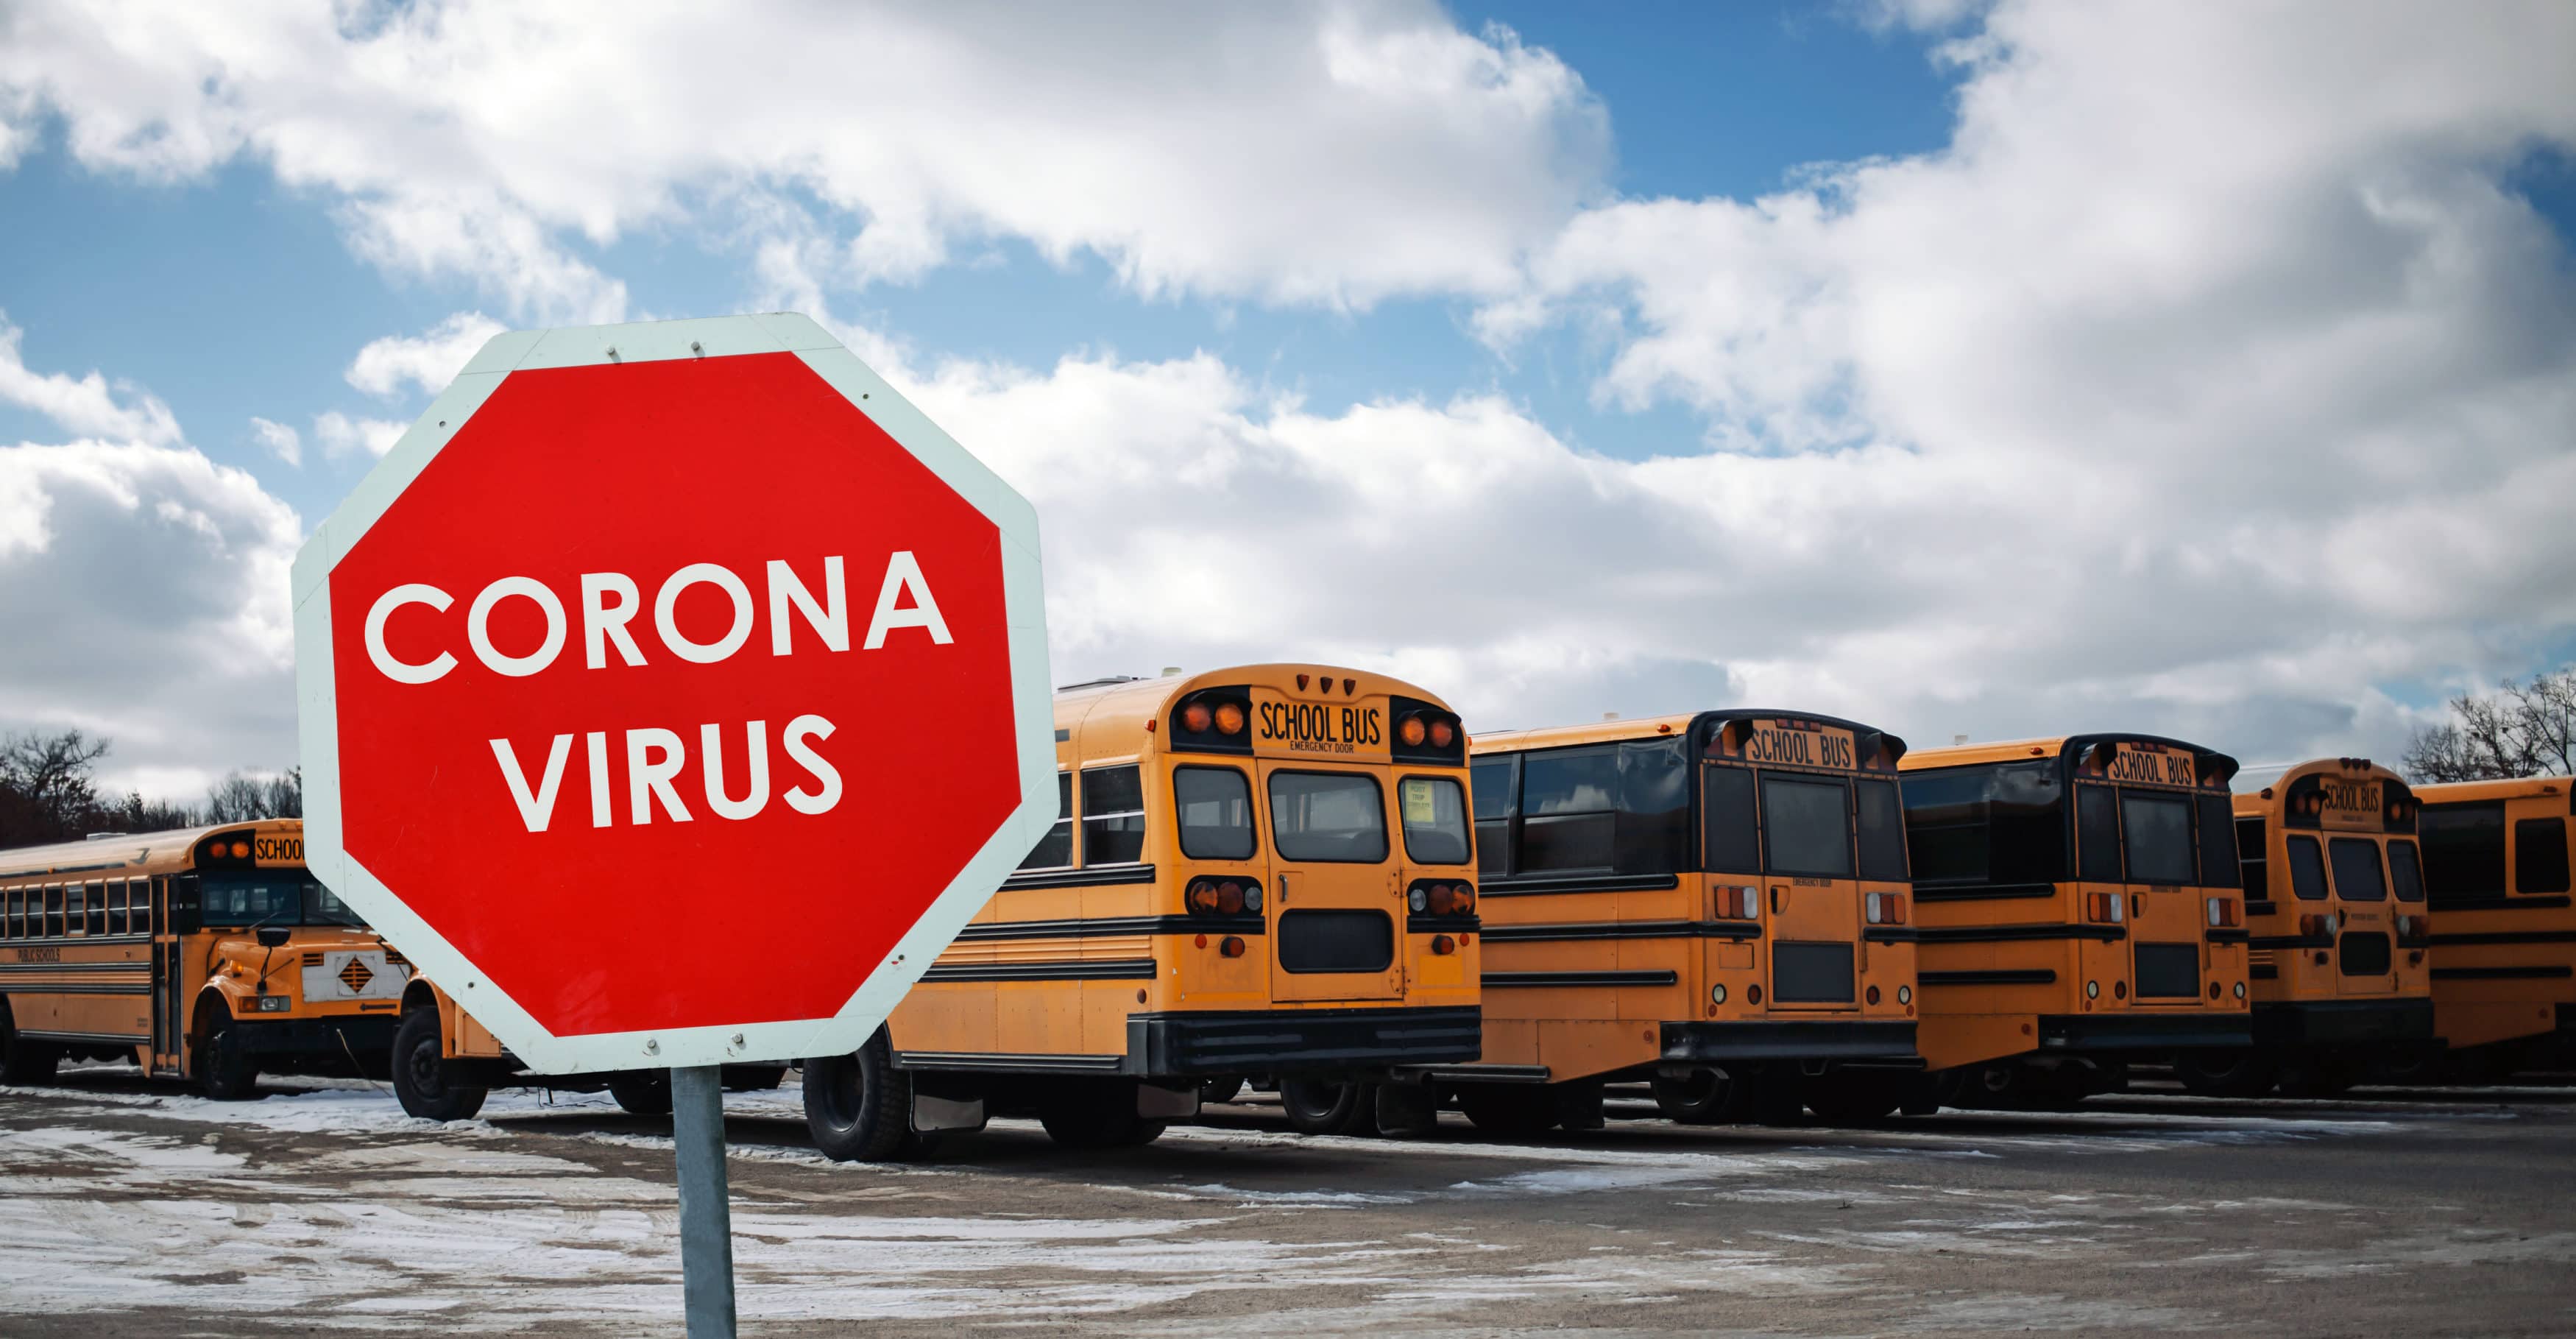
[274, 936]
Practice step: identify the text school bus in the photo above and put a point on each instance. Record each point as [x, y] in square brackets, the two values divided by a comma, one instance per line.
[2504, 938]
[2078, 906]
[2334, 896]
[1714, 902]
[1258, 872]
[205, 954]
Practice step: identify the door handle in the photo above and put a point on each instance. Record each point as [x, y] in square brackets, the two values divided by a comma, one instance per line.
[1283, 887]
[1779, 899]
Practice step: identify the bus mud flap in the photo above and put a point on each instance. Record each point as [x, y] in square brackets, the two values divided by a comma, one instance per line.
[1155, 1102]
[933, 1114]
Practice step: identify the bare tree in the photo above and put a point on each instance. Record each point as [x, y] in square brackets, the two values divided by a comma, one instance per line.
[2521, 730]
[45, 790]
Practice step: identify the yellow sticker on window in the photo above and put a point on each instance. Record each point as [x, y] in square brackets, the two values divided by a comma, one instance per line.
[1421, 808]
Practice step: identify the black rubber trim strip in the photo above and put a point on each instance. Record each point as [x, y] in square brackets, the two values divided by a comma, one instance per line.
[138, 968]
[2292, 941]
[1113, 969]
[95, 1038]
[2509, 937]
[2511, 902]
[1533, 885]
[1098, 926]
[1579, 931]
[1985, 892]
[2263, 906]
[2014, 934]
[1495, 980]
[2036, 976]
[2264, 971]
[1103, 877]
[1891, 934]
[2223, 935]
[1001, 1060]
[2555, 973]
[1423, 923]
[75, 987]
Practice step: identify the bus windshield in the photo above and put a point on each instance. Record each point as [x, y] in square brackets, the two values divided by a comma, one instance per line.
[271, 897]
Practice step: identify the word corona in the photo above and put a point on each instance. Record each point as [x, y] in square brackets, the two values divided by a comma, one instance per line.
[611, 600]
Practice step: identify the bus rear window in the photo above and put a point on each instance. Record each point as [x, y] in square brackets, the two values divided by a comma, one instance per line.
[1880, 825]
[1215, 807]
[1434, 810]
[2156, 831]
[1334, 817]
[1806, 827]
[2307, 869]
[2405, 872]
[2097, 834]
[1732, 846]
[1496, 786]
[1113, 816]
[1055, 849]
[2356, 869]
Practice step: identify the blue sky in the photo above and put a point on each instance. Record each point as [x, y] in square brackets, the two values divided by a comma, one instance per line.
[1751, 350]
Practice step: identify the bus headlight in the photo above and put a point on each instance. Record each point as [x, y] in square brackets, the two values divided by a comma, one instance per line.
[1417, 900]
[275, 1004]
[1252, 897]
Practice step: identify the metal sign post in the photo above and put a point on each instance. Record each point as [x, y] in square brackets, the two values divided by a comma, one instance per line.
[706, 1210]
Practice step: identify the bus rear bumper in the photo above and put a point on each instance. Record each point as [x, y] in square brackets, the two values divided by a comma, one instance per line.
[2083, 1033]
[1876, 1041]
[1322, 1043]
[2342, 1022]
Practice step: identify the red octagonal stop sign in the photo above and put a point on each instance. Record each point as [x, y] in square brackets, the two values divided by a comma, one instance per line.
[673, 692]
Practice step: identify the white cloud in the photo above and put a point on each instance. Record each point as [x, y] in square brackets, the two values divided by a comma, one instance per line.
[280, 440]
[87, 405]
[2209, 376]
[427, 361]
[341, 435]
[1307, 153]
[157, 580]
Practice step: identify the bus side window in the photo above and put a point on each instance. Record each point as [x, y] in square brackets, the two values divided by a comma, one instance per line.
[2307, 869]
[97, 901]
[1730, 843]
[2463, 850]
[2252, 859]
[2540, 855]
[13, 910]
[1055, 849]
[1113, 816]
[2097, 834]
[1569, 809]
[53, 911]
[2218, 854]
[1495, 783]
[116, 921]
[1652, 832]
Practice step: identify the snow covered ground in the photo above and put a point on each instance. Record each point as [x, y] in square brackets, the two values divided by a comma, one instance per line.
[144, 1210]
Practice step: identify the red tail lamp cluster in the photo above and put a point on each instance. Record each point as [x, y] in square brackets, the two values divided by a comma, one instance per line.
[2316, 924]
[2409, 927]
[1224, 718]
[1441, 898]
[1740, 902]
[2106, 908]
[1884, 908]
[1417, 729]
[1219, 895]
[2225, 912]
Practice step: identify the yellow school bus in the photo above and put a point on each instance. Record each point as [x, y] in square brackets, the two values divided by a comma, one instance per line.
[2079, 905]
[2334, 896]
[206, 954]
[2504, 954]
[1714, 902]
[1260, 872]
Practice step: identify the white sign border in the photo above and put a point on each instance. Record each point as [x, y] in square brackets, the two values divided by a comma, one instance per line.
[1032, 695]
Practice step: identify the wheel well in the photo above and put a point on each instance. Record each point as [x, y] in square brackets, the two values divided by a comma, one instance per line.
[419, 995]
[212, 1011]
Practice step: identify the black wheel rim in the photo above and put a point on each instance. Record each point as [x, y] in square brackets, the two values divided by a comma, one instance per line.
[423, 1064]
[843, 1094]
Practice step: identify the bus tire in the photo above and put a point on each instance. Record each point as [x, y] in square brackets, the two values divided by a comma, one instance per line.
[1097, 1115]
[753, 1078]
[226, 1070]
[1707, 1097]
[1519, 1110]
[2238, 1072]
[423, 1079]
[1853, 1097]
[1329, 1108]
[858, 1107]
[642, 1092]
[24, 1062]
[1226, 1089]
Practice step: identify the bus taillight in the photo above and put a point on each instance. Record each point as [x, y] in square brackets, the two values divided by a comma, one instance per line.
[2106, 908]
[2222, 912]
[1212, 896]
[1441, 899]
[1736, 903]
[1885, 908]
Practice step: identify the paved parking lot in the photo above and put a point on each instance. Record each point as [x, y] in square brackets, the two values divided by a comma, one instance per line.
[135, 1209]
